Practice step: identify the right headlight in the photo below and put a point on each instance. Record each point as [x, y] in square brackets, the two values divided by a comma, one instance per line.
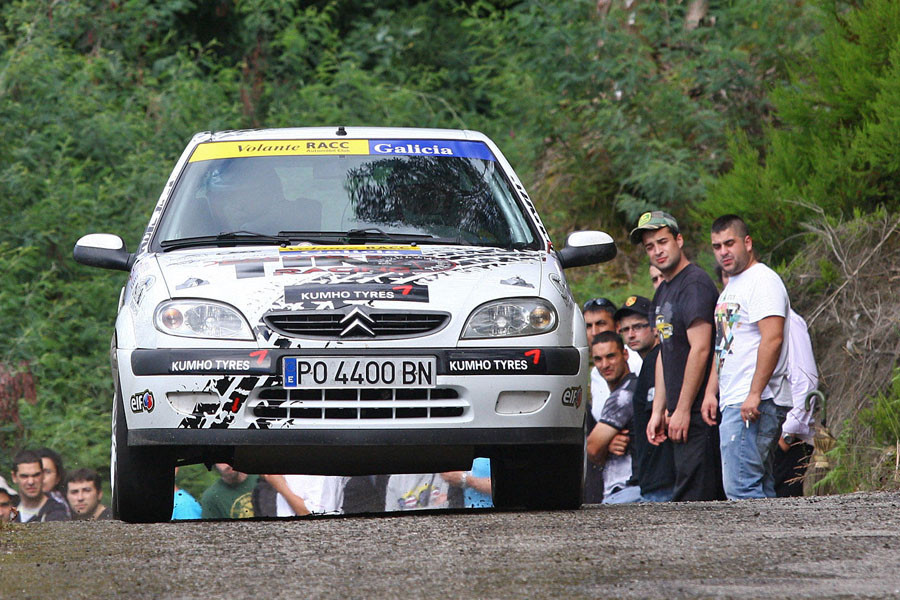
[509, 318]
[201, 319]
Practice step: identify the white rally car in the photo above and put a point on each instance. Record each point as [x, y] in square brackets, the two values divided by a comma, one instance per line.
[347, 301]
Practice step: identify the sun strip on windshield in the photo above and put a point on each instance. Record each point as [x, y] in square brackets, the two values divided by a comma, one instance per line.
[370, 249]
[442, 148]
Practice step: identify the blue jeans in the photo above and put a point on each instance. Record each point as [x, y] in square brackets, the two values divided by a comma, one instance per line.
[661, 495]
[747, 452]
[625, 495]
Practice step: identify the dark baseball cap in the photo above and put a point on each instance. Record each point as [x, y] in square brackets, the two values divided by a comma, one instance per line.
[651, 221]
[636, 305]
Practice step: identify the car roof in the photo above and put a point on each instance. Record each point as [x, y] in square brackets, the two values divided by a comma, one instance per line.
[348, 132]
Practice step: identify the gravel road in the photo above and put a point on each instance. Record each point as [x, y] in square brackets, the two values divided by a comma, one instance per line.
[816, 547]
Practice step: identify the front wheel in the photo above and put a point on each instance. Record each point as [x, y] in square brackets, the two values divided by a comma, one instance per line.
[143, 478]
[542, 478]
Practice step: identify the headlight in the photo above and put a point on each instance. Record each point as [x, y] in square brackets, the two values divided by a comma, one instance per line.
[510, 317]
[201, 319]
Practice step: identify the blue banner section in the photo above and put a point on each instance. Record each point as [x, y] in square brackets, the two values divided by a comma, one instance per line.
[448, 148]
[290, 373]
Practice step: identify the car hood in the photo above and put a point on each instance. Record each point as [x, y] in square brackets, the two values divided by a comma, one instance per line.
[454, 279]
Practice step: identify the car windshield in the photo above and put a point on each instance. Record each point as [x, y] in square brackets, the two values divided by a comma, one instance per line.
[421, 191]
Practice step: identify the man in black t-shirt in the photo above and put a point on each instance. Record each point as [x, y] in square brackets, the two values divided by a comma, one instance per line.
[683, 307]
[653, 467]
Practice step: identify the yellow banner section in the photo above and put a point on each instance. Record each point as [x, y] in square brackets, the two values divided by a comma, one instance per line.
[214, 150]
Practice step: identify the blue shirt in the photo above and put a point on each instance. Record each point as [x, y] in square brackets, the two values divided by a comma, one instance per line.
[185, 506]
[481, 467]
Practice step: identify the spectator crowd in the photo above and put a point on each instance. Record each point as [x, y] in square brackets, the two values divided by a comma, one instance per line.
[699, 394]
[696, 394]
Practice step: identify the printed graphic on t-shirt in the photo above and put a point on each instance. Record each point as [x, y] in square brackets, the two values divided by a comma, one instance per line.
[416, 491]
[421, 497]
[242, 507]
[664, 326]
[618, 412]
[728, 317]
[618, 409]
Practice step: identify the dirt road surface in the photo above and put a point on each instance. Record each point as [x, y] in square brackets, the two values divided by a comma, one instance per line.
[818, 547]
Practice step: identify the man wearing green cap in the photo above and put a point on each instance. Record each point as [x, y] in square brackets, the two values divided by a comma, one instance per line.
[683, 307]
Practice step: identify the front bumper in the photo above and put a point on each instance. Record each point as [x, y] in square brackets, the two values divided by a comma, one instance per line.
[488, 388]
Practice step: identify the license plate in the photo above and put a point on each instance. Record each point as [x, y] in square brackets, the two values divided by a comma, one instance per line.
[354, 372]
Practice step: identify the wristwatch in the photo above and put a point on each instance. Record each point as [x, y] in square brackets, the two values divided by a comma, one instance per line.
[789, 438]
[463, 480]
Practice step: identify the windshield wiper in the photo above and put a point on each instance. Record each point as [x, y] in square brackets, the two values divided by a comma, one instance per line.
[372, 234]
[336, 237]
[230, 238]
[369, 234]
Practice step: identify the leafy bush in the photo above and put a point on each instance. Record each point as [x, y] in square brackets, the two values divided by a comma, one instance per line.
[867, 453]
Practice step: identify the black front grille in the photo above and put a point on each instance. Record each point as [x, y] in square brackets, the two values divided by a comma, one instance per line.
[327, 324]
[360, 404]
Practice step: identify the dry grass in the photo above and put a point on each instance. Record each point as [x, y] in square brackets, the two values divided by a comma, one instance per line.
[846, 283]
[855, 317]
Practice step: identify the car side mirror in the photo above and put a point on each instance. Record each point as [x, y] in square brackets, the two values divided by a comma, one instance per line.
[587, 248]
[103, 250]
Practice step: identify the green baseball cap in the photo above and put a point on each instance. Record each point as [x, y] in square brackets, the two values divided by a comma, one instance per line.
[651, 221]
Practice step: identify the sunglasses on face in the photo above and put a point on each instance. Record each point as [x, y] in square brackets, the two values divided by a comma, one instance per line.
[597, 303]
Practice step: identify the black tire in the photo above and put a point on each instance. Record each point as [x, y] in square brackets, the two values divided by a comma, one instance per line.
[143, 478]
[539, 478]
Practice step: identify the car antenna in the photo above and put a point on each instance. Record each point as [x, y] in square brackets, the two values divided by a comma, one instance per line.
[341, 130]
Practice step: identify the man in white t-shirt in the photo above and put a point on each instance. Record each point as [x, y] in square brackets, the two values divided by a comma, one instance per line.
[751, 359]
[797, 431]
[300, 495]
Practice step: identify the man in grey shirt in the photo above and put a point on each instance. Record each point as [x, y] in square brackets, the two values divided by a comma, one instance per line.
[611, 359]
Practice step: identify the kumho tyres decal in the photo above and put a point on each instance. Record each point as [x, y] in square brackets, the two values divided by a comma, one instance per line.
[450, 148]
[355, 292]
[502, 362]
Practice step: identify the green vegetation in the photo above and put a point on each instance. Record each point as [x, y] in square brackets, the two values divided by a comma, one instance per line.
[779, 110]
[829, 148]
[867, 453]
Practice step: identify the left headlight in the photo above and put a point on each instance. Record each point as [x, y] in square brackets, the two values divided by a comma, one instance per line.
[510, 317]
[201, 319]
